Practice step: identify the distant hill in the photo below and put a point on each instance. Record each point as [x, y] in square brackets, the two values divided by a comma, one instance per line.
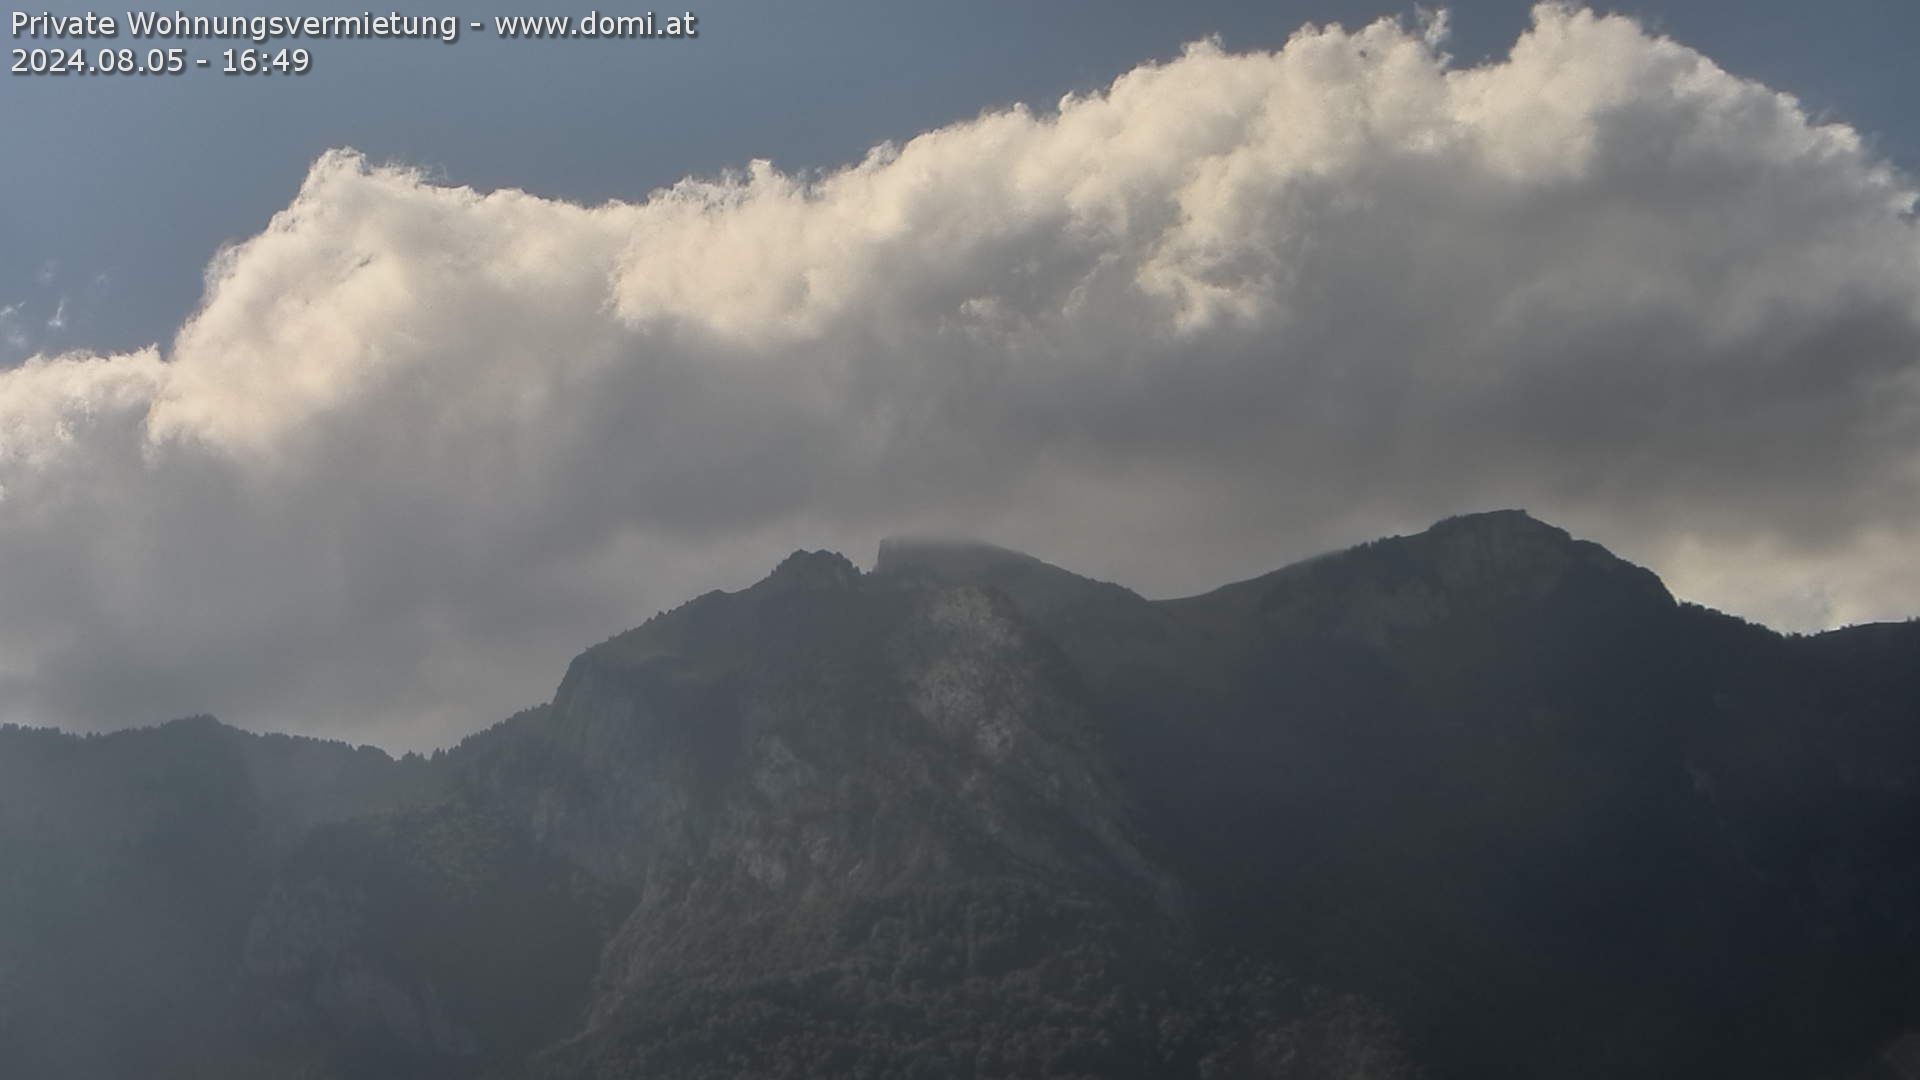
[1481, 802]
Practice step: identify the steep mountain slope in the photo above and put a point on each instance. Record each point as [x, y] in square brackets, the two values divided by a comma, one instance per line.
[1520, 759]
[1499, 780]
[869, 823]
[1484, 800]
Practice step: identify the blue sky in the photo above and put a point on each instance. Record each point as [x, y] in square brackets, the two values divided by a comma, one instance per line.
[115, 192]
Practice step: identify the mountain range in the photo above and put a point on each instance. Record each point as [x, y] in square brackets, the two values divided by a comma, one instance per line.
[1485, 801]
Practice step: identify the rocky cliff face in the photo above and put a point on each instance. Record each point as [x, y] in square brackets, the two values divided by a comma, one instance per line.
[1479, 802]
[819, 734]
[1493, 748]
[887, 792]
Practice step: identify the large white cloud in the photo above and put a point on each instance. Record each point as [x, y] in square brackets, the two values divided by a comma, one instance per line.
[420, 443]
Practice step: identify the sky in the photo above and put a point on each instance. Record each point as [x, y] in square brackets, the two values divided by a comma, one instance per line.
[355, 403]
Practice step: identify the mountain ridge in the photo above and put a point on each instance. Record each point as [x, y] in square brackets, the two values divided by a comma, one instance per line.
[1484, 800]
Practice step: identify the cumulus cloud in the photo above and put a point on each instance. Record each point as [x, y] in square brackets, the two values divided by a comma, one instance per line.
[422, 443]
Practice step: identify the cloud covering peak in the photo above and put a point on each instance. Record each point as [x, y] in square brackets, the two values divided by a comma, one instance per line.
[422, 443]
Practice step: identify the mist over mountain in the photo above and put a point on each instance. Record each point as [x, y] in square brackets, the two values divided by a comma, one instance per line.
[1484, 801]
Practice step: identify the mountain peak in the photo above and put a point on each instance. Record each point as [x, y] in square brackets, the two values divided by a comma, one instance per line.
[1510, 521]
[942, 555]
[814, 570]
[1500, 550]
[1508, 550]
[198, 722]
[1038, 588]
[1500, 560]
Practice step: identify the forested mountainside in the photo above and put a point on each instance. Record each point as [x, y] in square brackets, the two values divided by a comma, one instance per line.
[1480, 802]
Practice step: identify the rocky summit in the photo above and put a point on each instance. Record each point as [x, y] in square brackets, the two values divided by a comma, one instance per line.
[1484, 801]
